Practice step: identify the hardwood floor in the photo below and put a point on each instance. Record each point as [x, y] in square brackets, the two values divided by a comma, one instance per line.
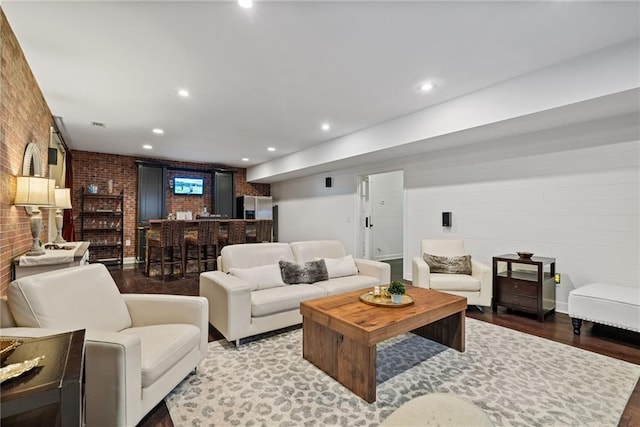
[608, 341]
[396, 268]
[612, 342]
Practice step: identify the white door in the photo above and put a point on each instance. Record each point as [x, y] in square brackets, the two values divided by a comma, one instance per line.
[365, 217]
[381, 210]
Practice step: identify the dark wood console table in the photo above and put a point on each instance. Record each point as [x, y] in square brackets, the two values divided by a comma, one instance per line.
[532, 290]
[51, 393]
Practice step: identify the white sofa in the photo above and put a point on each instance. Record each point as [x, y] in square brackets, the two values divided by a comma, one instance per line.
[240, 308]
[477, 287]
[137, 347]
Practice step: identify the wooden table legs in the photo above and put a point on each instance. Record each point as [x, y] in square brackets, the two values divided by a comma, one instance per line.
[353, 364]
[349, 362]
[447, 331]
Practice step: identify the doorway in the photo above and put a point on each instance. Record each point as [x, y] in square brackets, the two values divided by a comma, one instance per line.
[381, 210]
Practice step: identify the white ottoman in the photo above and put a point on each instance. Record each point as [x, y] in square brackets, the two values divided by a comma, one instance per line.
[438, 409]
[607, 304]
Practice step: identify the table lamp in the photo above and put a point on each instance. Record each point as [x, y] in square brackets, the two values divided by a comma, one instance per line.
[63, 201]
[33, 192]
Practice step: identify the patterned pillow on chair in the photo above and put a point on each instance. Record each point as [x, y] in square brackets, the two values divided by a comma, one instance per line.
[448, 265]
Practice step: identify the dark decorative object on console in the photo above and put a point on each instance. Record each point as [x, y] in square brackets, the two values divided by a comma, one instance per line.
[525, 255]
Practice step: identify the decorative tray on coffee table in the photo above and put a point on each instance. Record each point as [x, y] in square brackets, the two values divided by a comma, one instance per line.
[385, 301]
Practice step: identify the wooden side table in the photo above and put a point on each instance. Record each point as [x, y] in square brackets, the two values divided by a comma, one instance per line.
[51, 393]
[530, 290]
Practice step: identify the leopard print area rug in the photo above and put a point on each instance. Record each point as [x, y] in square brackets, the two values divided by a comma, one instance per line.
[516, 378]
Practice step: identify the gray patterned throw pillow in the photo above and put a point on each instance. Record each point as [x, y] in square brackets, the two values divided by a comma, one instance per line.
[308, 272]
[448, 265]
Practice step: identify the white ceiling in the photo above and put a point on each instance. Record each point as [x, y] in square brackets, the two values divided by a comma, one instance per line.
[270, 75]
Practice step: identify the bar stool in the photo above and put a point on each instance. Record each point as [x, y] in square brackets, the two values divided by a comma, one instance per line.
[205, 239]
[251, 231]
[224, 230]
[263, 230]
[237, 232]
[169, 238]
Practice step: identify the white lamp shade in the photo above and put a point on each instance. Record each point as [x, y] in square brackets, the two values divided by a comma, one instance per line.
[63, 198]
[35, 191]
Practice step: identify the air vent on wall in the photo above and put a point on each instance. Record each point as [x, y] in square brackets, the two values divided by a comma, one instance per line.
[98, 124]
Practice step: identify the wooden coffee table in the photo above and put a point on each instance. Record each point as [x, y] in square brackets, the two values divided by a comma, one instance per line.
[340, 333]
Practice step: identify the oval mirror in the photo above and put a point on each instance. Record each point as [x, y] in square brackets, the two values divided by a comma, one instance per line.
[32, 163]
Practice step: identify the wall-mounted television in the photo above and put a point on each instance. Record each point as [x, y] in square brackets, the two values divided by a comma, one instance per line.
[193, 186]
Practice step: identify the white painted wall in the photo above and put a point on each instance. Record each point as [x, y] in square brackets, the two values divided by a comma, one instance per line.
[580, 206]
[387, 203]
[307, 210]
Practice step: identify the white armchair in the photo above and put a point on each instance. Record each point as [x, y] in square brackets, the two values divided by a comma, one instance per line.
[477, 287]
[137, 347]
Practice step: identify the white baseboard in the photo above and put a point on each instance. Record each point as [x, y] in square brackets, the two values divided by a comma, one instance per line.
[129, 260]
[388, 257]
[562, 307]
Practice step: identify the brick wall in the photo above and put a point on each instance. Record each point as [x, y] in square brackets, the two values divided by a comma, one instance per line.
[177, 202]
[24, 118]
[98, 168]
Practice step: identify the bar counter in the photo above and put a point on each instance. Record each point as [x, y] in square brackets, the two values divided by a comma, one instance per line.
[227, 232]
[225, 224]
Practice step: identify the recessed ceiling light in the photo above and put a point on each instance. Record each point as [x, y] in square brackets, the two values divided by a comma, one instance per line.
[326, 126]
[247, 4]
[158, 131]
[183, 93]
[271, 149]
[245, 159]
[147, 147]
[426, 87]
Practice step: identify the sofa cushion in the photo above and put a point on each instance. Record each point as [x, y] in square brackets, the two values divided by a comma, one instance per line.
[308, 272]
[347, 283]
[162, 346]
[276, 300]
[340, 267]
[69, 298]
[314, 249]
[454, 282]
[254, 255]
[448, 264]
[261, 277]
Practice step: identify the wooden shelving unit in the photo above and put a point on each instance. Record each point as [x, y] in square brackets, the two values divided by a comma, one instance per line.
[102, 224]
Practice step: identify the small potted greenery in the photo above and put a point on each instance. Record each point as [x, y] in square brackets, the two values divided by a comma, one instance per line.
[396, 289]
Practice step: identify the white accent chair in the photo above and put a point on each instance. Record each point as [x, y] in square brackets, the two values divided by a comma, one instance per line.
[137, 347]
[477, 287]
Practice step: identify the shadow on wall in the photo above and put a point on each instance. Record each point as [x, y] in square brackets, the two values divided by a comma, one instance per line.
[556, 140]
[316, 186]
